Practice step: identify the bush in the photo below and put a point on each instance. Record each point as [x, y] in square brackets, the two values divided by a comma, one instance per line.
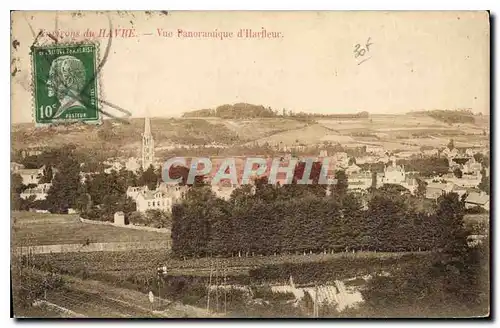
[329, 271]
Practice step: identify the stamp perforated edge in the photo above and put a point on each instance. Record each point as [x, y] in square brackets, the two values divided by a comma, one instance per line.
[98, 120]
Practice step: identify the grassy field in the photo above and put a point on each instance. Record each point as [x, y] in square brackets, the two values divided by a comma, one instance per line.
[30, 229]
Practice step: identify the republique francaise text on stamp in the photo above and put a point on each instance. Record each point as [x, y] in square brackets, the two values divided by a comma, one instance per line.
[65, 83]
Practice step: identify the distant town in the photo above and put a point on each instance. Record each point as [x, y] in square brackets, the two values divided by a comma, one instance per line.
[432, 171]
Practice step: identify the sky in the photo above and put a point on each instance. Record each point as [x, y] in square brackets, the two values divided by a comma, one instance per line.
[416, 61]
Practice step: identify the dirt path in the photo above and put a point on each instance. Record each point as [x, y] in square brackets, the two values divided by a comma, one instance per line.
[96, 299]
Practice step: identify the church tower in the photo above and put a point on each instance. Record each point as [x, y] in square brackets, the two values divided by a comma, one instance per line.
[148, 146]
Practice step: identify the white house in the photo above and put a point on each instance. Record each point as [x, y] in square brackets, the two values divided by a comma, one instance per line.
[352, 169]
[467, 180]
[14, 167]
[162, 198]
[119, 218]
[323, 153]
[410, 184]
[115, 166]
[341, 159]
[30, 176]
[469, 152]
[471, 167]
[394, 174]
[478, 199]
[175, 190]
[154, 200]
[360, 180]
[40, 191]
[435, 190]
[133, 192]
[450, 154]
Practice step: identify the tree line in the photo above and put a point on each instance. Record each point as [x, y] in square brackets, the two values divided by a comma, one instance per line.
[266, 219]
[245, 110]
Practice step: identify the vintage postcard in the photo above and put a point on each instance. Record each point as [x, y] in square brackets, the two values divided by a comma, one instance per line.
[189, 164]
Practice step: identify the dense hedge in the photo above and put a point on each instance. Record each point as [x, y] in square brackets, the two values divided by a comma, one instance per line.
[290, 220]
[328, 271]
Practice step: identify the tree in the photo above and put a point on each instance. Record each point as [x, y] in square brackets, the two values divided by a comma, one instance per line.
[149, 178]
[452, 234]
[387, 212]
[190, 222]
[458, 173]
[180, 171]
[479, 157]
[421, 188]
[16, 188]
[484, 185]
[454, 283]
[339, 188]
[158, 219]
[394, 189]
[136, 218]
[451, 144]
[47, 174]
[373, 186]
[66, 187]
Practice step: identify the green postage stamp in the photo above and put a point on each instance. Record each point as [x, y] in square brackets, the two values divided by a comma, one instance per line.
[65, 83]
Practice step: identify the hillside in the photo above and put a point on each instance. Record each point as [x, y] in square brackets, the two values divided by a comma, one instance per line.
[448, 116]
[391, 131]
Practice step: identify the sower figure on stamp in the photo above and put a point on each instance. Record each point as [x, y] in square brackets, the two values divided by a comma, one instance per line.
[66, 82]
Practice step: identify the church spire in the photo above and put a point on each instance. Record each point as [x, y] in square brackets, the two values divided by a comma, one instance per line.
[147, 145]
[147, 126]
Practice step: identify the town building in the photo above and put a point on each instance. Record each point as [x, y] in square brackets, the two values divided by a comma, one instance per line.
[360, 180]
[32, 151]
[154, 200]
[467, 180]
[352, 169]
[39, 192]
[469, 152]
[475, 199]
[162, 198]
[14, 167]
[394, 174]
[114, 167]
[471, 167]
[436, 190]
[133, 192]
[119, 218]
[30, 176]
[323, 153]
[450, 154]
[410, 184]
